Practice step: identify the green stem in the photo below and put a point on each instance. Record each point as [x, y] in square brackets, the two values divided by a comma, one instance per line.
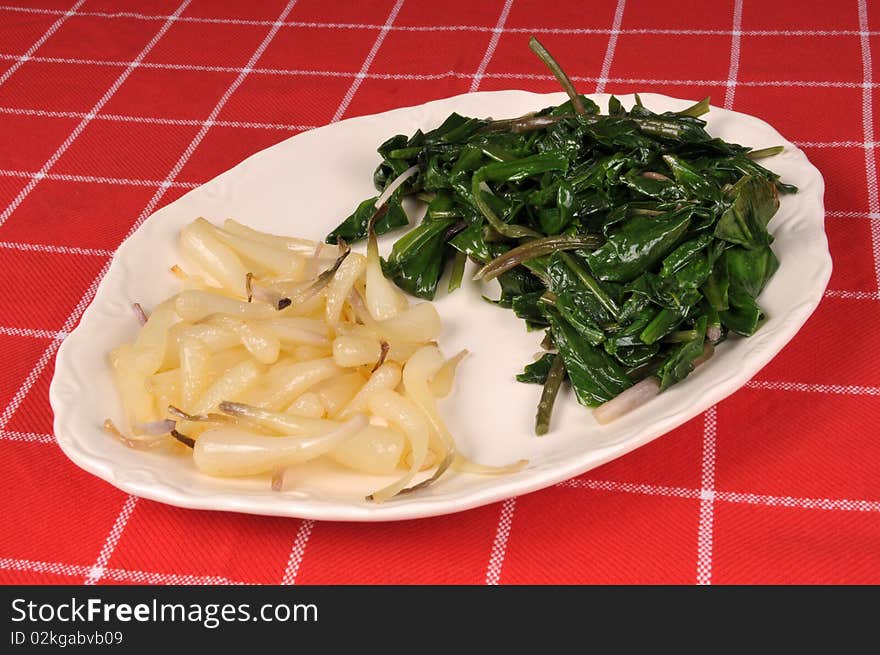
[523, 124]
[698, 109]
[660, 325]
[765, 152]
[548, 396]
[510, 231]
[532, 249]
[512, 171]
[561, 77]
[405, 153]
[653, 126]
[457, 271]
[681, 336]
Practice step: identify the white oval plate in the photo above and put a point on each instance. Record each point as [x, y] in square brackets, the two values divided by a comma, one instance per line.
[304, 186]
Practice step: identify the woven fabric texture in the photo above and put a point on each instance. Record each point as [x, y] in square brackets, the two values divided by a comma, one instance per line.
[111, 109]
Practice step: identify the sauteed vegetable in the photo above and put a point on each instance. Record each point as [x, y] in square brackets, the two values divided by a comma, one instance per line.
[635, 240]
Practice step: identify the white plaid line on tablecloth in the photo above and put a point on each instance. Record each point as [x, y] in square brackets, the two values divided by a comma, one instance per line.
[56, 568]
[442, 28]
[446, 74]
[39, 42]
[152, 577]
[819, 503]
[707, 494]
[93, 179]
[361, 75]
[827, 504]
[297, 552]
[505, 518]
[732, 497]
[493, 44]
[833, 144]
[61, 250]
[117, 575]
[735, 41]
[25, 192]
[126, 118]
[705, 531]
[852, 295]
[30, 437]
[610, 48]
[122, 520]
[873, 216]
[28, 332]
[840, 389]
[98, 568]
[68, 325]
[301, 541]
[499, 545]
[630, 488]
[868, 126]
[153, 120]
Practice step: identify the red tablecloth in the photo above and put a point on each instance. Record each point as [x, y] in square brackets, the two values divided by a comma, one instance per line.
[109, 110]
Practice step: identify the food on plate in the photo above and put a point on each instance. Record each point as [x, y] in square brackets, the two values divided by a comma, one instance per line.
[636, 241]
[279, 350]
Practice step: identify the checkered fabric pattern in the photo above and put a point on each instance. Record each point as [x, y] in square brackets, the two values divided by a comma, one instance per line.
[110, 109]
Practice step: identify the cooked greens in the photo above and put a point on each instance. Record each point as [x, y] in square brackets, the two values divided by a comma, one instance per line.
[635, 239]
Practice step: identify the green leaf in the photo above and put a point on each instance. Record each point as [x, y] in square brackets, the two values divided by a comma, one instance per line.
[567, 272]
[472, 242]
[458, 263]
[443, 206]
[680, 257]
[638, 245]
[629, 333]
[416, 260]
[640, 297]
[566, 108]
[435, 176]
[634, 356]
[683, 216]
[755, 201]
[583, 313]
[691, 179]
[664, 322]
[594, 375]
[454, 128]
[716, 287]
[527, 307]
[536, 372]
[555, 219]
[394, 143]
[614, 107]
[744, 315]
[666, 190]
[354, 228]
[517, 282]
[680, 362]
[751, 269]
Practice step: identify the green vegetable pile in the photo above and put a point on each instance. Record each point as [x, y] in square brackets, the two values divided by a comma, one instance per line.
[635, 239]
